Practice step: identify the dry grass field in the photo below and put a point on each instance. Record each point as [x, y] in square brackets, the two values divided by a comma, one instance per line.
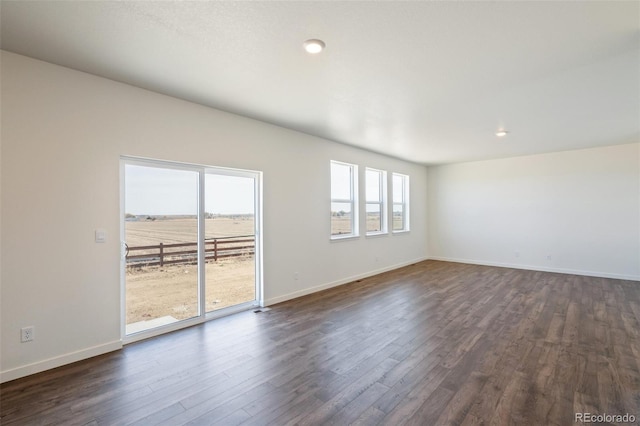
[148, 232]
[342, 225]
[172, 290]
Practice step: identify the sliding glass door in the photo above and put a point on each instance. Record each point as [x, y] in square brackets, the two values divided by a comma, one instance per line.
[161, 237]
[230, 238]
[190, 244]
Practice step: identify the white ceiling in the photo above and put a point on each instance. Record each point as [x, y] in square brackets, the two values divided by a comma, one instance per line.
[425, 81]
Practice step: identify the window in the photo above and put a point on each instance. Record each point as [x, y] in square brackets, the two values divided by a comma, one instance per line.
[400, 191]
[344, 203]
[375, 205]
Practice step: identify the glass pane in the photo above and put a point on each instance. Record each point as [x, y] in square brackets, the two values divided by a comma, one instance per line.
[161, 232]
[374, 218]
[398, 217]
[398, 188]
[229, 241]
[340, 181]
[373, 185]
[341, 220]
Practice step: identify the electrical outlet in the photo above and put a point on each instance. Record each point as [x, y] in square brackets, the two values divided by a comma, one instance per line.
[517, 253]
[26, 334]
[296, 276]
[549, 257]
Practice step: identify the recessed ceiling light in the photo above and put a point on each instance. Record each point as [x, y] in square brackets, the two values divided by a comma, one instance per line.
[500, 133]
[313, 46]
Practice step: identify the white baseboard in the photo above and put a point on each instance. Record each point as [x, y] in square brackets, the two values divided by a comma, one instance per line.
[47, 364]
[539, 268]
[311, 290]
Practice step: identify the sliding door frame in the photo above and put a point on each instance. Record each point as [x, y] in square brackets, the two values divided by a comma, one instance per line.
[203, 315]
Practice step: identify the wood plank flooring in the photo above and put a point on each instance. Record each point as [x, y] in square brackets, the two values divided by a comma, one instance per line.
[430, 344]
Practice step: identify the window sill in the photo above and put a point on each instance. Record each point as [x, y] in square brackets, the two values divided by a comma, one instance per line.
[401, 232]
[376, 234]
[344, 237]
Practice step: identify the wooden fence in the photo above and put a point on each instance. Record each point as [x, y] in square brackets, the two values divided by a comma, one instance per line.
[167, 254]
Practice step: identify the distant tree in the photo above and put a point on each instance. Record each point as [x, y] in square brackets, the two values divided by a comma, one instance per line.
[129, 216]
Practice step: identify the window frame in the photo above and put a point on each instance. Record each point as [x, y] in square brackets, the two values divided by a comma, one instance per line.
[352, 201]
[382, 203]
[404, 203]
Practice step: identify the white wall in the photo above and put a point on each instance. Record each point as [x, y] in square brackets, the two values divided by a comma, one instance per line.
[582, 208]
[63, 133]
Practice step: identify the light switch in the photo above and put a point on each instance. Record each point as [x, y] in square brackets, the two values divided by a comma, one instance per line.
[101, 236]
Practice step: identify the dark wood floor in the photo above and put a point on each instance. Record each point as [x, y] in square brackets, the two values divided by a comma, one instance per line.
[433, 343]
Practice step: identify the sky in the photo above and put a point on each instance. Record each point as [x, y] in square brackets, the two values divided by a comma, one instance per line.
[158, 191]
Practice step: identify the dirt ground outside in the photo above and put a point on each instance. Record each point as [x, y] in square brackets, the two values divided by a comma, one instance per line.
[155, 292]
[172, 290]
